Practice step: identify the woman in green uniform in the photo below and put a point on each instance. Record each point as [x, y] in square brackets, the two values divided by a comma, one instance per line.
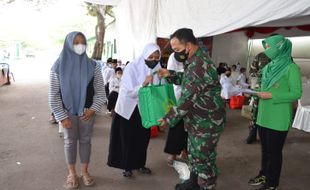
[281, 86]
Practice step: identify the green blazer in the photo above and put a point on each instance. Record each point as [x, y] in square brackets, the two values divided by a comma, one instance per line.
[277, 113]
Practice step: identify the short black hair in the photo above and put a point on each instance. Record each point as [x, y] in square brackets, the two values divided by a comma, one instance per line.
[118, 69]
[235, 66]
[109, 60]
[242, 69]
[114, 61]
[184, 35]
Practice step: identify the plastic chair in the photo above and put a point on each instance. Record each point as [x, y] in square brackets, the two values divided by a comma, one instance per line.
[236, 102]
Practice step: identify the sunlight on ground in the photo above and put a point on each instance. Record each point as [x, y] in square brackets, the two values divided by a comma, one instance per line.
[33, 36]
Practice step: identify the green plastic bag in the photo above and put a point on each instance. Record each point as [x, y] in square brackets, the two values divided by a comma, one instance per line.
[154, 102]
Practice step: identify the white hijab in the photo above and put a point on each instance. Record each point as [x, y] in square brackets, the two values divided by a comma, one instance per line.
[132, 80]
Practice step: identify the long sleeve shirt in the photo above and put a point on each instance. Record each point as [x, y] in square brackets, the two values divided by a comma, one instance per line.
[55, 100]
[107, 74]
[200, 100]
[277, 113]
[114, 84]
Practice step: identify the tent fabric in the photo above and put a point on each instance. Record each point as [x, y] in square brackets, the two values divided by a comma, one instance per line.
[139, 22]
[209, 18]
[135, 26]
[302, 116]
[267, 30]
[103, 2]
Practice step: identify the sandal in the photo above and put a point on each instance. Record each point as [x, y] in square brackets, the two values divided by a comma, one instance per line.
[72, 182]
[145, 170]
[127, 173]
[87, 179]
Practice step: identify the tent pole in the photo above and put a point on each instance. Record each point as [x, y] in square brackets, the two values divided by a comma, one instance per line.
[250, 46]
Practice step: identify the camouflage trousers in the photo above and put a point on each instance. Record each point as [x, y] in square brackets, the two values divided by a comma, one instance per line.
[254, 109]
[202, 142]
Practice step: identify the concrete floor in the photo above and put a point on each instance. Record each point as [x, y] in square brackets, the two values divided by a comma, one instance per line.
[32, 158]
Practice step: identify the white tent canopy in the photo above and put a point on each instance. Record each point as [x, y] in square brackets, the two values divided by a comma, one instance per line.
[139, 22]
[209, 17]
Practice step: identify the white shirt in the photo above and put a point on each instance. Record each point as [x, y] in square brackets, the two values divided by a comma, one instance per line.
[132, 80]
[234, 77]
[107, 74]
[228, 89]
[174, 65]
[242, 80]
[114, 84]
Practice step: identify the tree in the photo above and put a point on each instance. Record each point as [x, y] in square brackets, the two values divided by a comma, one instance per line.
[101, 12]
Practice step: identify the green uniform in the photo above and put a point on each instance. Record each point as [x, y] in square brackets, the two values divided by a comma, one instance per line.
[203, 111]
[277, 113]
[281, 77]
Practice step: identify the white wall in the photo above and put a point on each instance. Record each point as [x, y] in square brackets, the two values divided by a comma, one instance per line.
[230, 48]
[233, 47]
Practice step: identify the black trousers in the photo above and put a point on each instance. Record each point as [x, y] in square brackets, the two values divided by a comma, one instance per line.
[107, 91]
[112, 100]
[176, 139]
[272, 142]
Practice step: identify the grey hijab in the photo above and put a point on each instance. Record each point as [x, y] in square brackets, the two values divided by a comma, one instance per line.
[75, 72]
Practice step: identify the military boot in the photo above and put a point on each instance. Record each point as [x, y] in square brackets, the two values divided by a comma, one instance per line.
[190, 184]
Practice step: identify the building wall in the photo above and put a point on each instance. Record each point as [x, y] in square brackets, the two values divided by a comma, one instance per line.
[233, 47]
[230, 48]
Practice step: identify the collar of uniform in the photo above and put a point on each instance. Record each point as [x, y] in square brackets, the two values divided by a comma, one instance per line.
[196, 54]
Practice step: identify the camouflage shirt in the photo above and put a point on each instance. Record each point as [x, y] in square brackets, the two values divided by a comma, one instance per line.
[200, 103]
[259, 62]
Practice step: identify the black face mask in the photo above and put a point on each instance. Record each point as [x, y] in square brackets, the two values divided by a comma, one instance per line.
[151, 64]
[181, 56]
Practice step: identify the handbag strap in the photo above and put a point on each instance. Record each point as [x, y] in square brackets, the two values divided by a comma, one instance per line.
[160, 81]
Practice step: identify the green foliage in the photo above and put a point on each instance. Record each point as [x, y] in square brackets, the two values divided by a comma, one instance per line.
[94, 9]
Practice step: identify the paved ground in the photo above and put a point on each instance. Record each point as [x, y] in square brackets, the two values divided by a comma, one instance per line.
[32, 158]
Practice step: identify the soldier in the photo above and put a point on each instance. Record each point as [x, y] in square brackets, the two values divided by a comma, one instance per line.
[200, 106]
[259, 62]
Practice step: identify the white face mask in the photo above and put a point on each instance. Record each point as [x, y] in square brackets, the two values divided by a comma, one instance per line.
[79, 49]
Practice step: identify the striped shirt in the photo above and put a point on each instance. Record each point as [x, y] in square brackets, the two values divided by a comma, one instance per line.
[54, 96]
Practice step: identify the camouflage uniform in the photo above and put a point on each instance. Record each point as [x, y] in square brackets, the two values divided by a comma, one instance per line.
[257, 65]
[203, 111]
[259, 62]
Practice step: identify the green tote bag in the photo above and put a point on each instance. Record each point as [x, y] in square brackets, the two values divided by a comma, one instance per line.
[154, 102]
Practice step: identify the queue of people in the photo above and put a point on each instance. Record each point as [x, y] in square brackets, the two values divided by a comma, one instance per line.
[78, 86]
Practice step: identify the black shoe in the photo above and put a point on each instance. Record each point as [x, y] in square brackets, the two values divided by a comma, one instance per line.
[127, 173]
[250, 140]
[266, 187]
[190, 184]
[145, 170]
[258, 180]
